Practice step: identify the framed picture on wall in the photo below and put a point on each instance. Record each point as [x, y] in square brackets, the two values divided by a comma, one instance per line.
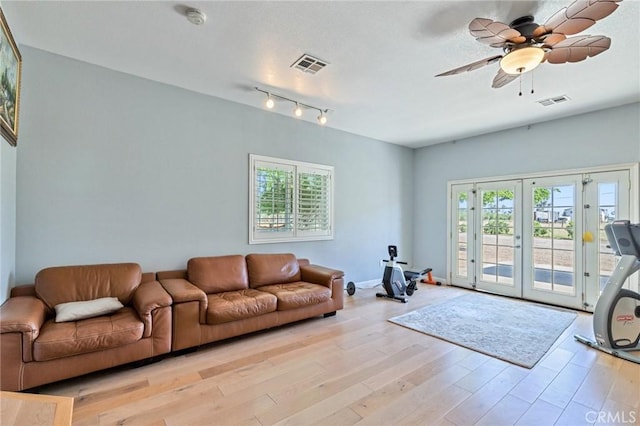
[10, 71]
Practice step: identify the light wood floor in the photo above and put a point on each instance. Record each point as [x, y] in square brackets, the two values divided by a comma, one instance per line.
[357, 368]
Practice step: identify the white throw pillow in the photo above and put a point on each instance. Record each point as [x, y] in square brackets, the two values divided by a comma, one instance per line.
[73, 311]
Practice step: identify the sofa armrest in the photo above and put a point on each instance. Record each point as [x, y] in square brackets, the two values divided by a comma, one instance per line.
[26, 315]
[149, 296]
[23, 290]
[182, 291]
[317, 274]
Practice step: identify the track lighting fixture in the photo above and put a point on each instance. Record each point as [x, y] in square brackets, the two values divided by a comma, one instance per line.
[299, 106]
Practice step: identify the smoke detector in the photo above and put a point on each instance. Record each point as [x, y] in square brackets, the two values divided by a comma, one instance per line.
[196, 17]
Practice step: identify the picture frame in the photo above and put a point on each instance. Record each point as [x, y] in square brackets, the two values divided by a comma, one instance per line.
[10, 75]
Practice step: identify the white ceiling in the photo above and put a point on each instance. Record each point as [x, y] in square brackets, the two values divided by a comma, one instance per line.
[382, 56]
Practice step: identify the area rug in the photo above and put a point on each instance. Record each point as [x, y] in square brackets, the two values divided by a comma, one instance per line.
[512, 330]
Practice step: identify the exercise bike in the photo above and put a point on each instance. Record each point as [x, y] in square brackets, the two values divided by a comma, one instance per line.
[397, 282]
[616, 318]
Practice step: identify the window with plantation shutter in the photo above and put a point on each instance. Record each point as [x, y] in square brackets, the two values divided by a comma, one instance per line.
[289, 200]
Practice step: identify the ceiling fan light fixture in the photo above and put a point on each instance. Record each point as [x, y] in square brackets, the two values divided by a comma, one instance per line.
[522, 60]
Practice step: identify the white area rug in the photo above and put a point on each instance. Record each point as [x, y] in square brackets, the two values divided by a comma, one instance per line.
[512, 330]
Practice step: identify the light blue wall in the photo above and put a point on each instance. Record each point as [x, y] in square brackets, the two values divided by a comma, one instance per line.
[610, 136]
[114, 168]
[7, 218]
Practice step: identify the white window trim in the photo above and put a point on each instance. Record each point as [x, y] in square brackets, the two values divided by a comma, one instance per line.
[295, 234]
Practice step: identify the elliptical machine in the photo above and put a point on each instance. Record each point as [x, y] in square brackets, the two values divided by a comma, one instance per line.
[616, 319]
[397, 282]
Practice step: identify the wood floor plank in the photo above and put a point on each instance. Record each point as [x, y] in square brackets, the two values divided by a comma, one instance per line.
[596, 386]
[626, 386]
[536, 381]
[506, 412]
[561, 390]
[480, 376]
[329, 405]
[238, 412]
[400, 407]
[133, 397]
[436, 407]
[344, 417]
[576, 414]
[540, 413]
[381, 397]
[480, 402]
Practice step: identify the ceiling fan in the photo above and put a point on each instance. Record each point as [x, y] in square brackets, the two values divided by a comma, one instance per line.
[526, 44]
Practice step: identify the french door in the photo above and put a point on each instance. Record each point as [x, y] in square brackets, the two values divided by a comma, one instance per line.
[537, 238]
[486, 236]
[552, 266]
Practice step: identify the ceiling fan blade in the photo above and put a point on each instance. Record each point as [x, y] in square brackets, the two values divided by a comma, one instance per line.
[553, 39]
[580, 15]
[472, 66]
[502, 79]
[494, 33]
[576, 49]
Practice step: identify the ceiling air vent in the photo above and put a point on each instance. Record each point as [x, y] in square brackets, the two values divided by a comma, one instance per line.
[554, 100]
[309, 64]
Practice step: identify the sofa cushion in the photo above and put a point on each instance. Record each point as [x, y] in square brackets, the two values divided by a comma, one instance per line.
[73, 311]
[266, 269]
[298, 294]
[59, 340]
[237, 305]
[218, 273]
[61, 284]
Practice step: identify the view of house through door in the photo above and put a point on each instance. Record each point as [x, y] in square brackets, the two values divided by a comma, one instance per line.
[538, 238]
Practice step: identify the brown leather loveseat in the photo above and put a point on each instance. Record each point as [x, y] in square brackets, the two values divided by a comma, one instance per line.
[224, 296]
[37, 350]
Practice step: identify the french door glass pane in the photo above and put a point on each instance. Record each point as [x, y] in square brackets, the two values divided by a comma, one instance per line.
[497, 236]
[463, 226]
[607, 207]
[553, 233]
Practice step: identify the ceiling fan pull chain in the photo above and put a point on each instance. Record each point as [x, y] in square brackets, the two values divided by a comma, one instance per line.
[532, 82]
[520, 82]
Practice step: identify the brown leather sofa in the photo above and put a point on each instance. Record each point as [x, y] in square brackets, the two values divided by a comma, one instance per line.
[35, 349]
[224, 296]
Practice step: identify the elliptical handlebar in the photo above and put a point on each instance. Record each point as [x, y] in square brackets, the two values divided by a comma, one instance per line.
[393, 260]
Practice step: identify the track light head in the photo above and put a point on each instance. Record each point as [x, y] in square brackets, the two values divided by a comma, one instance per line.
[322, 118]
[269, 103]
[297, 111]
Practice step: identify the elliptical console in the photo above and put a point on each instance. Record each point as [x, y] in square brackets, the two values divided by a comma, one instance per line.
[616, 319]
